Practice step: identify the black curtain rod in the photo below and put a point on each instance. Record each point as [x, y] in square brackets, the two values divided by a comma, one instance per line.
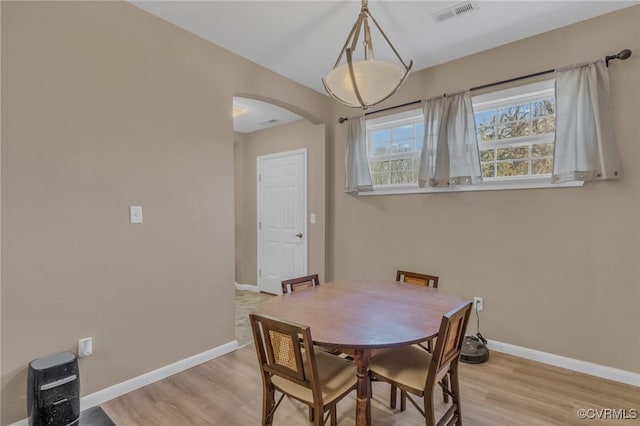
[623, 55]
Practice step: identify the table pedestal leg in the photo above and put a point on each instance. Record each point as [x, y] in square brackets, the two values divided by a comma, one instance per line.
[363, 407]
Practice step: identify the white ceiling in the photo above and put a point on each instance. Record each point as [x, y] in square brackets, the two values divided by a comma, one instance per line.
[260, 115]
[301, 39]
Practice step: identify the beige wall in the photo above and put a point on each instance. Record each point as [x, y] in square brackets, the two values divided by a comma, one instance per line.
[558, 268]
[105, 106]
[0, 219]
[287, 137]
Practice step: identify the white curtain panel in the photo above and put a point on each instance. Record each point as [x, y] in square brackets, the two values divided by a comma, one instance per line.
[357, 173]
[584, 146]
[450, 151]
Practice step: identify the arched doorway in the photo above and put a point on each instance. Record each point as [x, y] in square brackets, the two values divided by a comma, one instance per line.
[265, 131]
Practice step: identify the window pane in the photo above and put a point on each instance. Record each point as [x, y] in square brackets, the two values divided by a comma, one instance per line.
[403, 171]
[542, 150]
[379, 166]
[401, 165]
[514, 113]
[513, 130]
[515, 139]
[415, 164]
[380, 148]
[380, 178]
[380, 172]
[513, 168]
[545, 107]
[544, 125]
[404, 132]
[513, 152]
[402, 146]
[419, 136]
[541, 166]
[486, 134]
[402, 177]
[487, 155]
[488, 170]
[486, 118]
[407, 146]
[383, 135]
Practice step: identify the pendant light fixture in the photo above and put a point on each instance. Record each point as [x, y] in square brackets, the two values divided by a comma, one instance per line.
[368, 81]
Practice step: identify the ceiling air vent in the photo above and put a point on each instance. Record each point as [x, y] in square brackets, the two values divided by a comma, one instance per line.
[457, 10]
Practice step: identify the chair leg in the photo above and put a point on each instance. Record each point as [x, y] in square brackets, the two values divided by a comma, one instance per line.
[445, 382]
[334, 416]
[310, 414]
[268, 402]
[392, 399]
[318, 417]
[429, 409]
[403, 400]
[455, 390]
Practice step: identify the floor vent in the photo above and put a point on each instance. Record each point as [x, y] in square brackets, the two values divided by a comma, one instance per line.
[457, 10]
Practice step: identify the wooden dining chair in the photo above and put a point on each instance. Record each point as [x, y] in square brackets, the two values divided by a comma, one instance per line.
[415, 371]
[318, 379]
[424, 280]
[417, 279]
[300, 283]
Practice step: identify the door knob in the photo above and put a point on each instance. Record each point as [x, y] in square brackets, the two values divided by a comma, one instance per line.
[299, 235]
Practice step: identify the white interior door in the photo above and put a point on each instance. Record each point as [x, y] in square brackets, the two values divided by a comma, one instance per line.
[282, 211]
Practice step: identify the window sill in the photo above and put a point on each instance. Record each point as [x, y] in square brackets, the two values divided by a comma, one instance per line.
[498, 185]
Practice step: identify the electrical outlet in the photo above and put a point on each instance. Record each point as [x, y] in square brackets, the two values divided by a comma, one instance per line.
[478, 303]
[85, 347]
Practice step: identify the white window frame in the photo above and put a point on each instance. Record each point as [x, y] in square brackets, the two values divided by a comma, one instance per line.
[529, 93]
[405, 118]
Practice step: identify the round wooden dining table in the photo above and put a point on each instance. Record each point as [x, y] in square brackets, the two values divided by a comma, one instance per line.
[360, 316]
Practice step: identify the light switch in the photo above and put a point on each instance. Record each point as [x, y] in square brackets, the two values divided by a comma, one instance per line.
[135, 214]
[312, 219]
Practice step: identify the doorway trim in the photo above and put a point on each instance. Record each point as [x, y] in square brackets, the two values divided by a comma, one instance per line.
[305, 245]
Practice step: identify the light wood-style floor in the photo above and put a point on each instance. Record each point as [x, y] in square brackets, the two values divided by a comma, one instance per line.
[504, 391]
[246, 303]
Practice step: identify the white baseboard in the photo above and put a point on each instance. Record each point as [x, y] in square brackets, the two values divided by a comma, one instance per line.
[598, 370]
[249, 287]
[130, 385]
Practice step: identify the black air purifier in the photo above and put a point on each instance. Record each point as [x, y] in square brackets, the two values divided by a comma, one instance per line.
[53, 391]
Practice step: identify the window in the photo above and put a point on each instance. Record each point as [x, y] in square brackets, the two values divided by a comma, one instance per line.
[393, 145]
[515, 131]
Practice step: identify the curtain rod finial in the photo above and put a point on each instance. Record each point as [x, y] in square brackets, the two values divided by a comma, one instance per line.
[622, 55]
[342, 119]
